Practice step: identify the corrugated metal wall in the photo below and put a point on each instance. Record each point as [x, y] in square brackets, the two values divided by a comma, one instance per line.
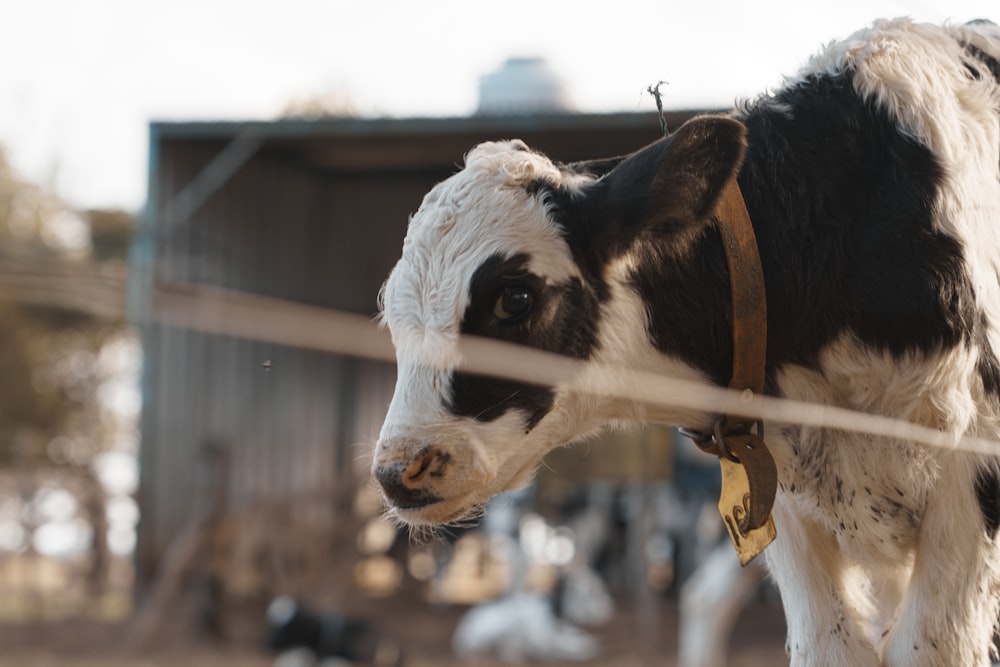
[280, 229]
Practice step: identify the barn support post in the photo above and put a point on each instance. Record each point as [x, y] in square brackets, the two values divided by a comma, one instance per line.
[139, 302]
[156, 222]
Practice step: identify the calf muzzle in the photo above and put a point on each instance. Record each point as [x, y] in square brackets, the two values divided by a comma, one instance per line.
[407, 483]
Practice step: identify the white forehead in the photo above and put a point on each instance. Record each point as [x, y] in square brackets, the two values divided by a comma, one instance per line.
[485, 209]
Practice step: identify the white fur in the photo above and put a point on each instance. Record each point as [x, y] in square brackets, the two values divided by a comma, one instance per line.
[881, 555]
[866, 524]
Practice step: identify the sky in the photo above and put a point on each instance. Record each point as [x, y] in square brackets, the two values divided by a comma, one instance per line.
[82, 79]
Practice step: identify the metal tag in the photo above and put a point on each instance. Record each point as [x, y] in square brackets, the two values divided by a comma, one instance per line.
[734, 505]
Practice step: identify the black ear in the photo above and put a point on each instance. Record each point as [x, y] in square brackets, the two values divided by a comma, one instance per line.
[676, 180]
[596, 168]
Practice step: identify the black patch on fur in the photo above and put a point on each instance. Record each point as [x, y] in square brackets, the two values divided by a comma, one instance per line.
[563, 319]
[580, 225]
[689, 303]
[988, 495]
[986, 59]
[843, 206]
[592, 237]
[667, 187]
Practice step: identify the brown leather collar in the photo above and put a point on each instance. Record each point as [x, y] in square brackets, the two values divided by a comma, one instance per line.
[733, 436]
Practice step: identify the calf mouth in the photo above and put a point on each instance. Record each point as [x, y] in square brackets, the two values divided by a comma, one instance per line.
[461, 510]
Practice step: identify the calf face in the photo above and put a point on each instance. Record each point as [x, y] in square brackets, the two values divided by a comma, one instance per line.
[517, 248]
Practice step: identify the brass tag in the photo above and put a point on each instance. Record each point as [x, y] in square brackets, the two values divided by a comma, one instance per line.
[734, 505]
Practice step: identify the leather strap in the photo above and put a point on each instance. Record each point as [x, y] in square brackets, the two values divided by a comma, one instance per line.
[746, 281]
[734, 437]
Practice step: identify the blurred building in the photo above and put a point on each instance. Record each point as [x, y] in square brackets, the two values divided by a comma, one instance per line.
[309, 211]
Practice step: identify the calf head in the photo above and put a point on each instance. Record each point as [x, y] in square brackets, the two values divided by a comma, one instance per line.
[517, 248]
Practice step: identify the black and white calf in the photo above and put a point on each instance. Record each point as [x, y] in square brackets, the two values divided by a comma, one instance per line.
[873, 182]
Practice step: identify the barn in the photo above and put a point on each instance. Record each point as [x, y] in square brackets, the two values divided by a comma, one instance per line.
[305, 211]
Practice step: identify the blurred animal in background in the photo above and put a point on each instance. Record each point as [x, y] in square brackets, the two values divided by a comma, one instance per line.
[532, 622]
[710, 602]
[306, 638]
[521, 626]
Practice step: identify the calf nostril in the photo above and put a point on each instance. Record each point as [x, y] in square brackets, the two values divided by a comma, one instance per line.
[399, 490]
[415, 472]
[428, 463]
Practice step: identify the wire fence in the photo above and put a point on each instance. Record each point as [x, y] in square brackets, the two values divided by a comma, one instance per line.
[250, 316]
[244, 315]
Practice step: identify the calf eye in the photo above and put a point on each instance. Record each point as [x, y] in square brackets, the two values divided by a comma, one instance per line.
[514, 303]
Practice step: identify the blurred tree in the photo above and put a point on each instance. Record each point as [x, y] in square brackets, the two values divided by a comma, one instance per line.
[333, 103]
[62, 283]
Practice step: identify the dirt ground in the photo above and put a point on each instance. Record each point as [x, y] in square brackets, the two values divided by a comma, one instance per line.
[424, 631]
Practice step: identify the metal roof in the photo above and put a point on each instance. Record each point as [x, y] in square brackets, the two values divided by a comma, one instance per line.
[353, 144]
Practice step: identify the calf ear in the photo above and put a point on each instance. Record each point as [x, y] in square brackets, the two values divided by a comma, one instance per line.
[596, 168]
[677, 180]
